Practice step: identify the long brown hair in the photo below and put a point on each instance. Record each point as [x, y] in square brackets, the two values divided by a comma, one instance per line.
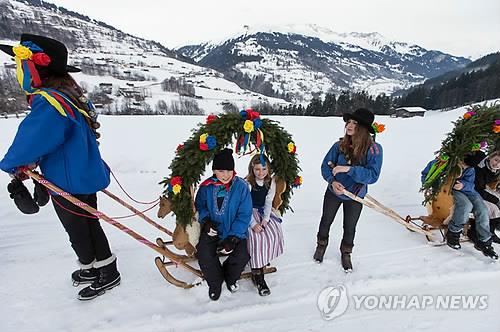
[251, 176]
[67, 85]
[356, 146]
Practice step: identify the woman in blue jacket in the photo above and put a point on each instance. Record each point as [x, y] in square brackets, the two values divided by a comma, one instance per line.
[224, 208]
[351, 164]
[59, 136]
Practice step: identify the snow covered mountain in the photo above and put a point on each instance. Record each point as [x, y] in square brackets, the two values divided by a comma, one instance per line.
[306, 60]
[123, 73]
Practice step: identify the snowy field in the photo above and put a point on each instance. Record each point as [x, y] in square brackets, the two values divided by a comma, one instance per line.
[36, 259]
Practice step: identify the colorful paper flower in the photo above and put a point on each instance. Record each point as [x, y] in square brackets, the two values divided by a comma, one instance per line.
[41, 59]
[22, 52]
[203, 138]
[211, 118]
[297, 181]
[257, 123]
[176, 180]
[291, 148]
[378, 127]
[248, 126]
[496, 129]
[32, 46]
[179, 148]
[476, 147]
[469, 114]
[497, 122]
[207, 142]
[243, 114]
[176, 189]
[252, 115]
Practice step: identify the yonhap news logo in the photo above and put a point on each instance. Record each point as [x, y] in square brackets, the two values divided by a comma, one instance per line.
[333, 302]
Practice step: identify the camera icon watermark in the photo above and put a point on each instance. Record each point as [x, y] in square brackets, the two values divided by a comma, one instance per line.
[334, 301]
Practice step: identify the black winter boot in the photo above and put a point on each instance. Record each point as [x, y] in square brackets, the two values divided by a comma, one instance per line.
[322, 243]
[214, 292]
[453, 239]
[345, 258]
[84, 276]
[493, 225]
[486, 248]
[109, 277]
[259, 282]
[22, 197]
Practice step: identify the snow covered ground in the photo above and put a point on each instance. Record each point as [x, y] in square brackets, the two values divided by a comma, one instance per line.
[36, 259]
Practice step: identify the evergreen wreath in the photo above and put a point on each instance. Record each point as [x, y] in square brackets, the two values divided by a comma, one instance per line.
[476, 130]
[248, 133]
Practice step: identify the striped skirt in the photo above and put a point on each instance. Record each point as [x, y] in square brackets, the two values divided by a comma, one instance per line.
[265, 246]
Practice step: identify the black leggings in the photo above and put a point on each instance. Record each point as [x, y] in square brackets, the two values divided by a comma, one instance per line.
[352, 211]
[85, 233]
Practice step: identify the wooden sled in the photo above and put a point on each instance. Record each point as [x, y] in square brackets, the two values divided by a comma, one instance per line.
[180, 241]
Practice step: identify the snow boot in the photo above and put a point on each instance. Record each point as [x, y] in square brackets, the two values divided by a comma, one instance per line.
[85, 275]
[22, 197]
[41, 194]
[345, 256]
[322, 243]
[453, 239]
[233, 288]
[486, 248]
[214, 292]
[259, 282]
[109, 277]
[493, 225]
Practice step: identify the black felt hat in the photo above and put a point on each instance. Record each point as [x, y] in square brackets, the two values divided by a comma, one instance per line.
[363, 117]
[56, 50]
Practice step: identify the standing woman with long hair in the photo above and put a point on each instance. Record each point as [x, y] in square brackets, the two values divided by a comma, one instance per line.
[351, 164]
[59, 136]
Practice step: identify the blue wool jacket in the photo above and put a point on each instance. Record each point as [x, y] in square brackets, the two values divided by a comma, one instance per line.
[358, 177]
[64, 147]
[467, 178]
[235, 213]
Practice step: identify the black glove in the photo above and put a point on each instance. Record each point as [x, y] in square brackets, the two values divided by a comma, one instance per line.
[210, 228]
[228, 244]
[41, 194]
[22, 197]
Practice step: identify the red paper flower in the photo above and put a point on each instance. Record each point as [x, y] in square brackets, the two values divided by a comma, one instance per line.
[41, 59]
[176, 180]
[203, 147]
[211, 118]
[179, 147]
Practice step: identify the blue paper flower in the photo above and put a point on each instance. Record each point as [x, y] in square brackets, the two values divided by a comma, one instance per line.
[257, 123]
[32, 46]
[211, 142]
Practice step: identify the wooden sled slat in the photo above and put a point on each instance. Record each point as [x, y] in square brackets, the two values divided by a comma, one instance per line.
[170, 278]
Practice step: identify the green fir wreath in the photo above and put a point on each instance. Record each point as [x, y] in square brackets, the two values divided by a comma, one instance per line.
[477, 129]
[247, 133]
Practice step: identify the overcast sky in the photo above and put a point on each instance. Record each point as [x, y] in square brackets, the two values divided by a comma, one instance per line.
[460, 27]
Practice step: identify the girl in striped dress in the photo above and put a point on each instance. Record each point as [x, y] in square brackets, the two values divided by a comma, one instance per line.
[265, 236]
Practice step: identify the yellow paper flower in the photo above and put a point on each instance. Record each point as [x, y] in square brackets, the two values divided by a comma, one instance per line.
[248, 126]
[203, 138]
[291, 147]
[22, 52]
[176, 189]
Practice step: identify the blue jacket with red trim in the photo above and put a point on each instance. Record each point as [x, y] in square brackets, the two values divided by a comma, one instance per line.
[64, 147]
[235, 214]
[357, 179]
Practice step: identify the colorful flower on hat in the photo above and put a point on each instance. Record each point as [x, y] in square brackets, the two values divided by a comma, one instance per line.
[32, 46]
[211, 118]
[22, 52]
[378, 127]
[248, 126]
[41, 59]
[297, 181]
[469, 115]
[291, 148]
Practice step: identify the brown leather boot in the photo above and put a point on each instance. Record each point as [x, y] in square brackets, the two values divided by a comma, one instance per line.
[322, 243]
[345, 258]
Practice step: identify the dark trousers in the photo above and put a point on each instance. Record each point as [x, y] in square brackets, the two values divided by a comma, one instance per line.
[215, 273]
[85, 234]
[352, 211]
